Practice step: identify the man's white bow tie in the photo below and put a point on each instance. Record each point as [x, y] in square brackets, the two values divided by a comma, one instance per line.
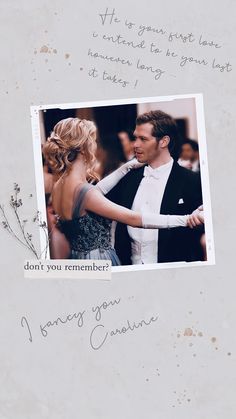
[150, 172]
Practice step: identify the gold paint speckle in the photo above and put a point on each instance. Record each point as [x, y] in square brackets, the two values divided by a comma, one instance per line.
[44, 49]
[188, 332]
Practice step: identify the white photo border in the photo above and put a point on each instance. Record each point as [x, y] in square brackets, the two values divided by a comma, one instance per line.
[203, 164]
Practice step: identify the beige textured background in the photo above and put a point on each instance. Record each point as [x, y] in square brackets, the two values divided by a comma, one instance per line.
[153, 372]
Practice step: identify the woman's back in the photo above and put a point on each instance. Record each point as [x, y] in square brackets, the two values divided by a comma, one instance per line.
[88, 234]
[63, 195]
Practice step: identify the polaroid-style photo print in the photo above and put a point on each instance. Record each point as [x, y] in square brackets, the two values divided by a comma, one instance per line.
[126, 181]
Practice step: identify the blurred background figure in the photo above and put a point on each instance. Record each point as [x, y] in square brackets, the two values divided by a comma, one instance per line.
[203, 245]
[109, 155]
[127, 139]
[48, 180]
[189, 155]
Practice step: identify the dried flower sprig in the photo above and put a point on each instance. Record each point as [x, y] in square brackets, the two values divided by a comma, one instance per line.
[25, 237]
[43, 225]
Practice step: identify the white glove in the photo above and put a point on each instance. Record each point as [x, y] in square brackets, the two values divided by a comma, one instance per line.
[106, 184]
[151, 220]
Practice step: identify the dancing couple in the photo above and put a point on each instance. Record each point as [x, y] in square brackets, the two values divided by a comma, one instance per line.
[156, 203]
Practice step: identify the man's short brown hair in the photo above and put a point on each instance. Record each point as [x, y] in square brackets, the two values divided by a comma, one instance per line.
[163, 124]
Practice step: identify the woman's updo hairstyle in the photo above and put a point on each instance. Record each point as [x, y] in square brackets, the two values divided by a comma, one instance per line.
[69, 138]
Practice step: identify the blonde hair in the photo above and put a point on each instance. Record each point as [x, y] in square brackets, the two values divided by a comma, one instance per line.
[69, 138]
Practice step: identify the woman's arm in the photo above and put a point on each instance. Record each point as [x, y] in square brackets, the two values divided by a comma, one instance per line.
[94, 201]
[107, 183]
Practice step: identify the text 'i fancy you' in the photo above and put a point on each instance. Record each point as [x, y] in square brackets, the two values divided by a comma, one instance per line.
[99, 334]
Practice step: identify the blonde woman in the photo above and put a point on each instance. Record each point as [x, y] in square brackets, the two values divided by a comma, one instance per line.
[84, 214]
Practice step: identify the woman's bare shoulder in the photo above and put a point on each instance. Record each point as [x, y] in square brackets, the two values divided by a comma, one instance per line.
[64, 195]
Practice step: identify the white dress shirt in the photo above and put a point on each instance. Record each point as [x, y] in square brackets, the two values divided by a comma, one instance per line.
[148, 199]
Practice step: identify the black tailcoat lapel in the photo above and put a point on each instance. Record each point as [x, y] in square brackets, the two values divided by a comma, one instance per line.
[172, 191]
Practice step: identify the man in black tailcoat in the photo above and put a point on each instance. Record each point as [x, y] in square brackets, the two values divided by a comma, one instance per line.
[160, 186]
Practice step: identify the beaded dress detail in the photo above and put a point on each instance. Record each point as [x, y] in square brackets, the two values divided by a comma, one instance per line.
[89, 235]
